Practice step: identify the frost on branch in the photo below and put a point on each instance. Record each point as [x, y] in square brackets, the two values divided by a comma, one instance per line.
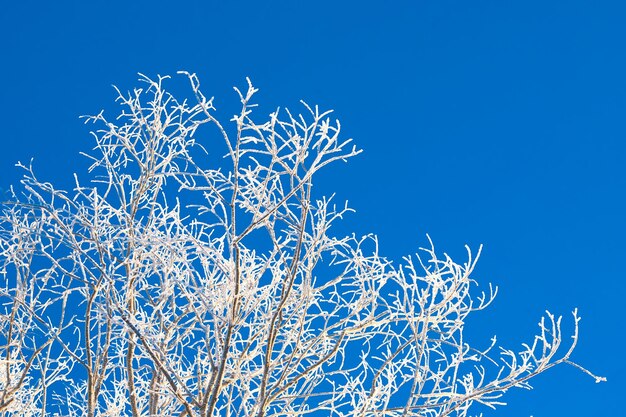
[168, 285]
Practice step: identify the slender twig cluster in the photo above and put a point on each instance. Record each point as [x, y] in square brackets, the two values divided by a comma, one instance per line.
[166, 287]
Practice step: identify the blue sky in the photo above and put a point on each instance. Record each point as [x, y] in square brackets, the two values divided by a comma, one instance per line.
[493, 122]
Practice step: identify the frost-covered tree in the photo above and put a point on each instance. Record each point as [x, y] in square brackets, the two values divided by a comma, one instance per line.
[174, 283]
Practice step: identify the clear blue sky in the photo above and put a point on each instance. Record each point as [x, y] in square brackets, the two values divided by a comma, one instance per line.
[494, 122]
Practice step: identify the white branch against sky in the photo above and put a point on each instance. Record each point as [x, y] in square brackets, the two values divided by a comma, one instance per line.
[162, 285]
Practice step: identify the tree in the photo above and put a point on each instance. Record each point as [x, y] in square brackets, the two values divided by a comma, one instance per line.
[166, 287]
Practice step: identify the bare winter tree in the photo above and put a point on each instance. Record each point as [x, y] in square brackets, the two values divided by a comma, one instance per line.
[164, 286]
